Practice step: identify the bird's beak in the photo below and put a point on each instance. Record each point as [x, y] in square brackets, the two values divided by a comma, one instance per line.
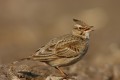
[91, 28]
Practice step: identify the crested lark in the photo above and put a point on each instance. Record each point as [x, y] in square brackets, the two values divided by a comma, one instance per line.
[67, 49]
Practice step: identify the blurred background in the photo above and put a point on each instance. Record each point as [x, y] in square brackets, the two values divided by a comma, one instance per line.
[26, 25]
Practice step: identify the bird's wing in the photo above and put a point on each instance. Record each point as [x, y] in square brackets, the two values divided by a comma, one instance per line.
[46, 53]
[57, 48]
[62, 49]
[71, 49]
[47, 49]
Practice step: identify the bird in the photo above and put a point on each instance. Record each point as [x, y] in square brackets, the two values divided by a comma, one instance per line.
[67, 49]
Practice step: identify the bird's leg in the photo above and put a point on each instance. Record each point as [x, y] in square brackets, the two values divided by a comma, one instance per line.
[63, 73]
[65, 76]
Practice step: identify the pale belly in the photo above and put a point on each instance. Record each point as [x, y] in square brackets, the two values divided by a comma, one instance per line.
[64, 61]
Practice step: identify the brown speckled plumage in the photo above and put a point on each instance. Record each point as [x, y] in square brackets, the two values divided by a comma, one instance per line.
[67, 49]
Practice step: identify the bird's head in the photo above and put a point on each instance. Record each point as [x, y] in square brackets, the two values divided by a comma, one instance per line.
[81, 29]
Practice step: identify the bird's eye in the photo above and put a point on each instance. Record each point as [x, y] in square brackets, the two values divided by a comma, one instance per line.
[79, 28]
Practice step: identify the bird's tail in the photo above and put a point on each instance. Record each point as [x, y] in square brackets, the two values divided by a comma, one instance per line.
[28, 58]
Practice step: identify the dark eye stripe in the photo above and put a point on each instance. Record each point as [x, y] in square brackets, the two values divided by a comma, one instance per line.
[87, 29]
[81, 28]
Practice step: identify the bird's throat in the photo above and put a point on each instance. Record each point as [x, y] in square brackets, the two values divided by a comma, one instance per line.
[87, 35]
